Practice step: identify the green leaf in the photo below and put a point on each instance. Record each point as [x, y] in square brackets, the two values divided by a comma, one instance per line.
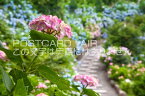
[75, 87]
[20, 89]
[49, 74]
[36, 35]
[11, 56]
[6, 80]
[90, 92]
[1, 45]
[60, 93]
[17, 74]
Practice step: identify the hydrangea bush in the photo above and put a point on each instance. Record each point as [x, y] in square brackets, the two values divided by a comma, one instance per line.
[17, 15]
[86, 80]
[129, 77]
[116, 55]
[2, 55]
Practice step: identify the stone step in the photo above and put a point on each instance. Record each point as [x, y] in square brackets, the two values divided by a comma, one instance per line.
[85, 73]
[93, 72]
[81, 69]
[85, 65]
[100, 85]
[91, 55]
[93, 67]
[88, 58]
[88, 68]
[85, 61]
[101, 91]
[95, 62]
[94, 75]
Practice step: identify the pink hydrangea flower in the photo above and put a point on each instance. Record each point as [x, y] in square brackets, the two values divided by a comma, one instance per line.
[47, 81]
[139, 62]
[138, 74]
[96, 34]
[120, 77]
[105, 60]
[109, 58]
[51, 25]
[129, 65]
[116, 66]
[86, 80]
[109, 72]
[110, 63]
[41, 94]
[5, 45]
[127, 80]
[94, 29]
[142, 69]
[110, 69]
[115, 50]
[3, 55]
[41, 85]
[126, 50]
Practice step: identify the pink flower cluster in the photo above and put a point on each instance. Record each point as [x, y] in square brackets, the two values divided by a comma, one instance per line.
[111, 50]
[97, 31]
[115, 50]
[96, 34]
[94, 29]
[121, 77]
[110, 63]
[51, 25]
[2, 54]
[5, 45]
[41, 94]
[142, 69]
[109, 71]
[86, 80]
[41, 85]
[139, 62]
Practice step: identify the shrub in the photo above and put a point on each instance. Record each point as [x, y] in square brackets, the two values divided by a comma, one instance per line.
[142, 6]
[124, 34]
[17, 14]
[139, 22]
[110, 2]
[54, 7]
[117, 56]
[130, 78]
[139, 86]
[5, 34]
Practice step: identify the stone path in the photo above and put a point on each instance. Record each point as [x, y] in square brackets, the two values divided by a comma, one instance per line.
[90, 65]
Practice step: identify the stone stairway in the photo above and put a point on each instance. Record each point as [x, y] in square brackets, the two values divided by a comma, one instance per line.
[90, 65]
